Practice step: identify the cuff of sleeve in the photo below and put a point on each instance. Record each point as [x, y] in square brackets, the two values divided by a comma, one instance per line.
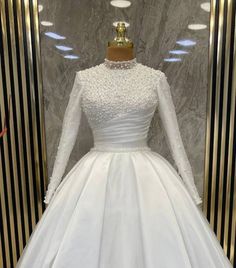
[194, 194]
[198, 201]
[48, 196]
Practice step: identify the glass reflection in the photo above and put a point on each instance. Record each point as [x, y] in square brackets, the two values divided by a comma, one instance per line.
[40, 8]
[63, 48]
[46, 23]
[55, 36]
[197, 26]
[186, 42]
[71, 57]
[120, 3]
[172, 59]
[116, 22]
[178, 52]
[206, 6]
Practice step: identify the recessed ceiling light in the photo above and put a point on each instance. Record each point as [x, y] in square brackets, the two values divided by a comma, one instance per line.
[178, 52]
[40, 8]
[172, 59]
[46, 23]
[120, 3]
[196, 26]
[54, 35]
[126, 23]
[206, 6]
[186, 42]
[64, 48]
[71, 57]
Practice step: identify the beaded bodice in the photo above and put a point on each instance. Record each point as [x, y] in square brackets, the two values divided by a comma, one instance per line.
[111, 91]
[119, 100]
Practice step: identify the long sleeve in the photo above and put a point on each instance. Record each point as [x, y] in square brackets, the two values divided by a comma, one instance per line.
[70, 129]
[169, 121]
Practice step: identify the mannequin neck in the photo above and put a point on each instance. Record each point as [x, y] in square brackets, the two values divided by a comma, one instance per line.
[119, 53]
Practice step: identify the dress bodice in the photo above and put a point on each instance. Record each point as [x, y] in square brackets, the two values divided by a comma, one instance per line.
[119, 100]
[119, 103]
[111, 93]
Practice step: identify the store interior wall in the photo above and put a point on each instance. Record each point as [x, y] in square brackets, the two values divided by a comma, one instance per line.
[155, 27]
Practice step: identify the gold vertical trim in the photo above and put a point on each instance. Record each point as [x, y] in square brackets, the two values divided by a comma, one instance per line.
[32, 96]
[2, 192]
[40, 91]
[26, 113]
[224, 116]
[209, 106]
[229, 167]
[18, 119]
[20, 65]
[216, 115]
[6, 151]
[230, 154]
[233, 233]
[1, 246]
[23, 75]
[218, 127]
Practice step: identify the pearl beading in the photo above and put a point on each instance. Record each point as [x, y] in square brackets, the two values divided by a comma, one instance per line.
[110, 93]
[128, 64]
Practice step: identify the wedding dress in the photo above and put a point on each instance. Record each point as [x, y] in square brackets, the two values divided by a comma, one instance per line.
[122, 205]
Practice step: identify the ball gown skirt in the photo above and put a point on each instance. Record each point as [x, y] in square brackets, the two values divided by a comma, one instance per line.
[127, 209]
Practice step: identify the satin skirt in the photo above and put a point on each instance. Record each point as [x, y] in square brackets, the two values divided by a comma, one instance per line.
[123, 210]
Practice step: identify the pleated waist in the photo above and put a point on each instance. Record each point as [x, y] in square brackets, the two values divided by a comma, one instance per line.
[124, 133]
[121, 147]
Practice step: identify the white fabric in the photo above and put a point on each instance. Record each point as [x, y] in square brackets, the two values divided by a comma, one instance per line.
[70, 129]
[169, 121]
[122, 205]
[110, 94]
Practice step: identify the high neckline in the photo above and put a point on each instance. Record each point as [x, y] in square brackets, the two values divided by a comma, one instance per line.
[127, 64]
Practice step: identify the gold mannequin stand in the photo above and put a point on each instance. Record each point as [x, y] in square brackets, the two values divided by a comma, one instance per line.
[121, 48]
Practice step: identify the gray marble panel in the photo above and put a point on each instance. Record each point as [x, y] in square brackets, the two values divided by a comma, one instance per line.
[155, 26]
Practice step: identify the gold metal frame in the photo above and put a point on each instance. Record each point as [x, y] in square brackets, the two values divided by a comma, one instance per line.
[219, 182]
[22, 149]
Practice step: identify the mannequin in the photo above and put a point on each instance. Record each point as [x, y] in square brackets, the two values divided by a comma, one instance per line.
[121, 48]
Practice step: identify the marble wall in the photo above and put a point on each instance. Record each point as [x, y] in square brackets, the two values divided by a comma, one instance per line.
[155, 27]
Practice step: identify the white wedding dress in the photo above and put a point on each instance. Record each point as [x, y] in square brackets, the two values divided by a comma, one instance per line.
[122, 205]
